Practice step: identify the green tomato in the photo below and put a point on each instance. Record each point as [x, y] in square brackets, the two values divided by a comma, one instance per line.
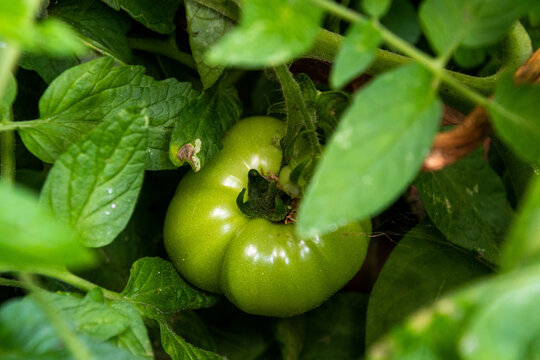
[262, 267]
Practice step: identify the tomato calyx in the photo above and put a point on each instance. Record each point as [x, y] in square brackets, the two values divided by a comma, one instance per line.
[265, 198]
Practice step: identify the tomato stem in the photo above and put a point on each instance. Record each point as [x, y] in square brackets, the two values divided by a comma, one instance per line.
[76, 281]
[8, 61]
[458, 88]
[298, 115]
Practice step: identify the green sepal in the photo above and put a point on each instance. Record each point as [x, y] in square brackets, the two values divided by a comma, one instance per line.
[265, 199]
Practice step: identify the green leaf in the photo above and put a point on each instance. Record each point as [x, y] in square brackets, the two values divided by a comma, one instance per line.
[94, 185]
[179, 349]
[31, 238]
[98, 25]
[420, 270]
[329, 107]
[402, 20]
[517, 173]
[205, 27]
[469, 57]
[471, 211]
[270, 33]
[50, 36]
[157, 15]
[507, 326]
[356, 53]
[157, 290]
[110, 331]
[375, 152]
[450, 23]
[376, 8]
[198, 135]
[523, 244]
[308, 92]
[326, 105]
[117, 322]
[48, 68]
[189, 325]
[497, 319]
[336, 330]
[154, 285]
[515, 116]
[83, 96]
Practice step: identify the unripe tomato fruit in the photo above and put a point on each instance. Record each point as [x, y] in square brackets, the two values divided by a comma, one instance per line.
[264, 268]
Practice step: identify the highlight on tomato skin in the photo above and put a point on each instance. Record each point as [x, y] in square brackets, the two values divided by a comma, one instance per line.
[262, 267]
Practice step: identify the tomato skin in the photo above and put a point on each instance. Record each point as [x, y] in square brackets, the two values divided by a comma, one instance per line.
[262, 267]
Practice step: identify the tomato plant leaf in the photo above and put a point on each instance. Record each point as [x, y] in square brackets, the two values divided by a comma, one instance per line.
[179, 349]
[449, 23]
[49, 36]
[198, 135]
[84, 95]
[523, 244]
[98, 25]
[471, 211]
[401, 19]
[308, 91]
[157, 15]
[517, 173]
[376, 8]
[227, 8]
[468, 58]
[327, 106]
[421, 269]
[119, 322]
[107, 331]
[191, 327]
[94, 185]
[515, 118]
[31, 238]
[374, 153]
[495, 319]
[48, 68]
[205, 26]
[355, 54]
[270, 33]
[336, 330]
[155, 283]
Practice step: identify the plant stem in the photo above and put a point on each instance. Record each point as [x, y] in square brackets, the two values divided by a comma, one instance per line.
[294, 99]
[163, 47]
[8, 60]
[9, 56]
[16, 125]
[76, 347]
[7, 157]
[457, 88]
[76, 281]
